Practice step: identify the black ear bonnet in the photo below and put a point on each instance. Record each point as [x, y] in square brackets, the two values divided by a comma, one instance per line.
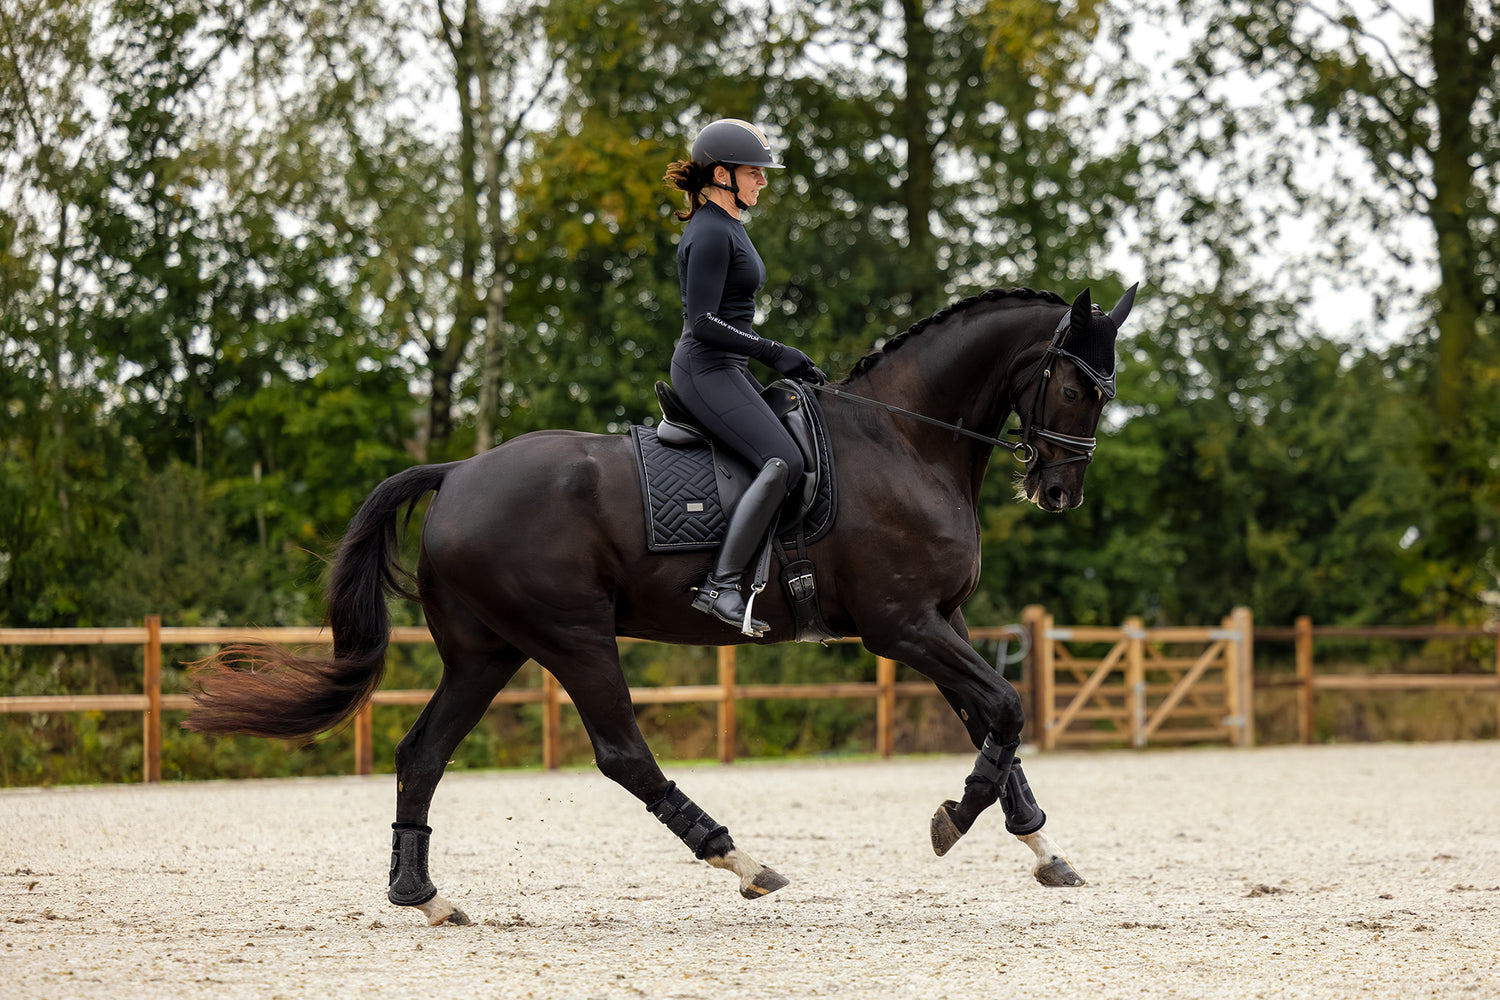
[1086, 336]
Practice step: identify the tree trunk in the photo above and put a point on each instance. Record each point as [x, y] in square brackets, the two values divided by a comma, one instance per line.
[444, 358]
[916, 131]
[1457, 469]
[492, 365]
[1455, 89]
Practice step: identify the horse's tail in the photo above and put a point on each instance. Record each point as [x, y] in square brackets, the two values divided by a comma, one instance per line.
[267, 690]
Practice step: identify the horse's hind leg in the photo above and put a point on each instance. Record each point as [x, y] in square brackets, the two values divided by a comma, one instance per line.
[597, 686]
[470, 681]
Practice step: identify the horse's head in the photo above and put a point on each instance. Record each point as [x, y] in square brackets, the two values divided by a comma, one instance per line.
[1060, 409]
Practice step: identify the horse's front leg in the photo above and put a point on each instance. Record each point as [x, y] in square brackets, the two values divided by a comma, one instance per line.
[991, 711]
[1023, 817]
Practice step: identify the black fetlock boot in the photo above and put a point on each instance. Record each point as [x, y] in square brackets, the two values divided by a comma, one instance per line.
[410, 884]
[719, 594]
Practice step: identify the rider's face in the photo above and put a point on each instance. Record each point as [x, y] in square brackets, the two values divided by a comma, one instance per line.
[750, 180]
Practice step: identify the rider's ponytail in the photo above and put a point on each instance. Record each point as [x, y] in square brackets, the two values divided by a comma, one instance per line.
[685, 175]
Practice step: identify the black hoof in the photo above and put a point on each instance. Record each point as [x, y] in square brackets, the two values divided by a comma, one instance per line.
[764, 883]
[458, 918]
[945, 833]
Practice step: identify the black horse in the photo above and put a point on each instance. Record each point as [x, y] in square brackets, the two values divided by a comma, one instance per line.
[537, 550]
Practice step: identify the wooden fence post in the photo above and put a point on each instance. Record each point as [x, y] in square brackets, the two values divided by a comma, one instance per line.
[364, 739]
[885, 706]
[151, 718]
[1031, 620]
[551, 722]
[1306, 693]
[1234, 682]
[1044, 685]
[727, 665]
[1135, 679]
[1243, 621]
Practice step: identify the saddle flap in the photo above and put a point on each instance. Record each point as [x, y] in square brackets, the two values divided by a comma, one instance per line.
[689, 483]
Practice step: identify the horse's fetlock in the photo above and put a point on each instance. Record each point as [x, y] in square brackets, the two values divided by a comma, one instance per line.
[718, 846]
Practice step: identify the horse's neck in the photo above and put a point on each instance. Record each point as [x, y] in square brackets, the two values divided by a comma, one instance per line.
[961, 370]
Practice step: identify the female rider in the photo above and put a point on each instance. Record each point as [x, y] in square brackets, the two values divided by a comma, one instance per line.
[720, 272]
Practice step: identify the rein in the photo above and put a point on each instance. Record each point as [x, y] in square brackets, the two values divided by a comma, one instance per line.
[1016, 447]
[1023, 450]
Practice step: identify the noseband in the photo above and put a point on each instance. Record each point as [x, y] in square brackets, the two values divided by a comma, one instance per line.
[1023, 450]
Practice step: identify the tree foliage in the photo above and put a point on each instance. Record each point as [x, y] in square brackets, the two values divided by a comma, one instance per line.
[256, 256]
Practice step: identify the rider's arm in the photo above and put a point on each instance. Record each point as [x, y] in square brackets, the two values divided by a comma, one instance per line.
[707, 268]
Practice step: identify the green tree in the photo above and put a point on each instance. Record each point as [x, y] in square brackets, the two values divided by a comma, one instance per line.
[1416, 99]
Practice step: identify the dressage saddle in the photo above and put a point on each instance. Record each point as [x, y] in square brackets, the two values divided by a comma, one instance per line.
[680, 429]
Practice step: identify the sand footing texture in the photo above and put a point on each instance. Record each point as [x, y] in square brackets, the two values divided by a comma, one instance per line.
[1357, 871]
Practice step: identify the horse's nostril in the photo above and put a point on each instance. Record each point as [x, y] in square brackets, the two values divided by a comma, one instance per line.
[1057, 495]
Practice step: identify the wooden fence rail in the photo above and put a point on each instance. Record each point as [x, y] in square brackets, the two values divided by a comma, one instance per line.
[1141, 715]
[152, 702]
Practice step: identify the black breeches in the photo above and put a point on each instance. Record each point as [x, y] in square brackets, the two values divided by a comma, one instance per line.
[727, 401]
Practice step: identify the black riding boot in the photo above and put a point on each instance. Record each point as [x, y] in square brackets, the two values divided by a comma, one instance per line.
[719, 594]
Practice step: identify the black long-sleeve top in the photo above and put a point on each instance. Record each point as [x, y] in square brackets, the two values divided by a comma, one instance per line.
[720, 272]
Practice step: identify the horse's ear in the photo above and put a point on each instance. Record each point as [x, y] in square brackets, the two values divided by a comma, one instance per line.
[1122, 307]
[1082, 308]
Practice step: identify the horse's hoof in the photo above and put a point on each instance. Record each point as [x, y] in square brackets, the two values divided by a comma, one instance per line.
[438, 910]
[945, 833]
[756, 880]
[764, 883]
[1058, 872]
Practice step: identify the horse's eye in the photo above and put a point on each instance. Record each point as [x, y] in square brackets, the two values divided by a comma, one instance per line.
[1070, 394]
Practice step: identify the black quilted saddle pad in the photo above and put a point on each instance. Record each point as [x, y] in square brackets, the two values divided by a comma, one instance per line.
[683, 508]
[681, 493]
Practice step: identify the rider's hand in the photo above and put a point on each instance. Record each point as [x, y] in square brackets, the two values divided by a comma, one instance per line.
[794, 363]
[812, 373]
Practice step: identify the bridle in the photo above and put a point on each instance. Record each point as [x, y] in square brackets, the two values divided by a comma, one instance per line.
[1024, 450]
[1031, 424]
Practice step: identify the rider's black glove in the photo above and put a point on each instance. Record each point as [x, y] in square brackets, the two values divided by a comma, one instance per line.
[811, 373]
[793, 363]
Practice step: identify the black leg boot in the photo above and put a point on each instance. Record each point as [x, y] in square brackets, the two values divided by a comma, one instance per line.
[719, 595]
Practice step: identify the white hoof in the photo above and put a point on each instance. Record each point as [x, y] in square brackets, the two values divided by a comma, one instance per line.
[1051, 868]
[438, 910]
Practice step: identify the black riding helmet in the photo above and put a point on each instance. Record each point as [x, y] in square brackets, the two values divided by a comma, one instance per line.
[730, 142]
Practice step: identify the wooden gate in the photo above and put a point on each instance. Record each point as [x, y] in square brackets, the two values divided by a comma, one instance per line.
[1135, 686]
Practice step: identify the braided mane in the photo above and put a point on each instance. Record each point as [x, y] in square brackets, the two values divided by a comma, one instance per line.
[870, 360]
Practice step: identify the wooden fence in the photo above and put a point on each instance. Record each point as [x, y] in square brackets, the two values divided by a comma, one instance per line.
[1304, 634]
[153, 637]
[1136, 694]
